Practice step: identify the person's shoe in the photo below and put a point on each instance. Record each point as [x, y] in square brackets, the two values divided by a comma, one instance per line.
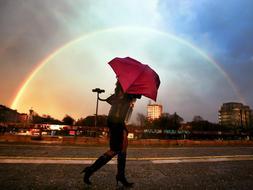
[87, 174]
[120, 177]
[124, 181]
[88, 171]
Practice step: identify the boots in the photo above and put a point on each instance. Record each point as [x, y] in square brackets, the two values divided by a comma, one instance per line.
[121, 170]
[88, 171]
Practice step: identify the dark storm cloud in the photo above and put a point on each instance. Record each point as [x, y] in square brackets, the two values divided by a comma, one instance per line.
[227, 23]
[223, 29]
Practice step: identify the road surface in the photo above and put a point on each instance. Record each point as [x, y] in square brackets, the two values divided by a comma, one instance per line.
[58, 167]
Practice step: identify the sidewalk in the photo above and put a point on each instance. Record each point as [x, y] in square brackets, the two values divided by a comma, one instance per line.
[43, 167]
[146, 175]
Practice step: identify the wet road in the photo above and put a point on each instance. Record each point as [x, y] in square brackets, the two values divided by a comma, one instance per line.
[58, 167]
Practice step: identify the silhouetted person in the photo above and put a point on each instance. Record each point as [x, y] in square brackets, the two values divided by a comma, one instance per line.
[121, 109]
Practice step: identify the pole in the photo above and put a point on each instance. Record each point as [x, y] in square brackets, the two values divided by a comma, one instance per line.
[98, 91]
[96, 111]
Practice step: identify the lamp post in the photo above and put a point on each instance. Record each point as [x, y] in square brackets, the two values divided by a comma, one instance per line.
[98, 91]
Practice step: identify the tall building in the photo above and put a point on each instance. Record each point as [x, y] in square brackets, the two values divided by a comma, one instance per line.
[235, 114]
[154, 111]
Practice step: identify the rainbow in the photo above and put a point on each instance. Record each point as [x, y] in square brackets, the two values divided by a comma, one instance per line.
[41, 64]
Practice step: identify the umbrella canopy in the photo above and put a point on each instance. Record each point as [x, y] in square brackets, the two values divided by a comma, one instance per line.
[135, 77]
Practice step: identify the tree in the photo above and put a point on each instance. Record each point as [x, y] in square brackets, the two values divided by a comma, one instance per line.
[142, 120]
[90, 121]
[102, 120]
[176, 121]
[197, 118]
[68, 120]
[167, 121]
[206, 126]
[45, 119]
[163, 122]
[80, 122]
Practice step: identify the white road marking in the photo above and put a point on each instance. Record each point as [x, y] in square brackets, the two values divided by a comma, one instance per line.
[203, 159]
[48, 161]
[154, 160]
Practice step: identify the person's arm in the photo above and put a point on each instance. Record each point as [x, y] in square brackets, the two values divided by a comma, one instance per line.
[102, 99]
[108, 100]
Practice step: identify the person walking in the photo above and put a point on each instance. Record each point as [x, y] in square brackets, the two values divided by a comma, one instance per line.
[120, 112]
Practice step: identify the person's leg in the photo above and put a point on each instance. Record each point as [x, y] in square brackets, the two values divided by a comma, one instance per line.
[125, 141]
[122, 162]
[101, 161]
[106, 157]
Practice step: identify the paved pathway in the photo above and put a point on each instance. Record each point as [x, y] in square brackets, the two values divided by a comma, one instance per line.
[58, 167]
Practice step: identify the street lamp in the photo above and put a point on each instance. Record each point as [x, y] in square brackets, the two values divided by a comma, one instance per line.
[98, 91]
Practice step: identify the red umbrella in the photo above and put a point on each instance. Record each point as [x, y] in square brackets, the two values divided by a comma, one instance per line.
[135, 77]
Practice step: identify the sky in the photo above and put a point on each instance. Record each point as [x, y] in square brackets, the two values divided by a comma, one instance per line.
[59, 50]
